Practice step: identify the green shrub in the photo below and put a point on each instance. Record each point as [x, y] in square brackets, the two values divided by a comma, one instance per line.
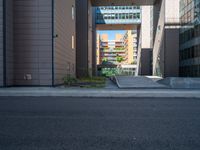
[119, 59]
[69, 80]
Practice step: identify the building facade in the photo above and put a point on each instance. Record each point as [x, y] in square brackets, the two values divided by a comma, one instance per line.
[118, 51]
[98, 49]
[110, 50]
[166, 38]
[135, 45]
[144, 54]
[37, 42]
[130, 45]
[117, 17]
[86, 37]
[38, 37]
[190, 38]
[122, 2]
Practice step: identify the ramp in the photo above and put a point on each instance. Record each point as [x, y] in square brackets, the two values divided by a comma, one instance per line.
[131, 82]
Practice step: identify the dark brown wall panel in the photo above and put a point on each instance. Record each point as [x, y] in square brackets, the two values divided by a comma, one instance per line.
[33, 42]
[82, 38]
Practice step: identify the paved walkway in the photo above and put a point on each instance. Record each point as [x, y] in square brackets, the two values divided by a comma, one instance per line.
[111, 93]
[131, 82]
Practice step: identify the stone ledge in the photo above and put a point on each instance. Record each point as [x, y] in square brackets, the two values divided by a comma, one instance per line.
[181, 83]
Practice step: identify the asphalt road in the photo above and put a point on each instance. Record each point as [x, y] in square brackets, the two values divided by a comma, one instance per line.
[99, 124]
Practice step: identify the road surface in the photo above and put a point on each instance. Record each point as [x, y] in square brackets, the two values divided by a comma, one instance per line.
[60, 123]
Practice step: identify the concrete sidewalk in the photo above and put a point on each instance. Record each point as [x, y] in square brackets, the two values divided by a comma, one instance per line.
[138, 82]
[111, 93]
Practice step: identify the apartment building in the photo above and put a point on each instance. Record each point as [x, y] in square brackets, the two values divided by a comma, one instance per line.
[122, 47]
[135, 45]
[98, 49]
[110, 50]
[130, 45]
[190, 38]
[37, 42]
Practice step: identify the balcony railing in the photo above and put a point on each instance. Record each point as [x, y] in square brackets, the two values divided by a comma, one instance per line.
[114, 51]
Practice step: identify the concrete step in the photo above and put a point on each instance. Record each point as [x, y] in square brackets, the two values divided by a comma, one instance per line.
[131, 82]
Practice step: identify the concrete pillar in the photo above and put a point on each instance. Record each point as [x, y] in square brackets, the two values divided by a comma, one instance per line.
[94, 60]
[1, 44]
[90, 38]
[156, 14]
[166, 38]
[81, 38]
[144, 60]
[85, 39]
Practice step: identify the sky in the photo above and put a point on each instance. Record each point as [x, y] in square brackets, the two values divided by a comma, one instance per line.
[111, 33]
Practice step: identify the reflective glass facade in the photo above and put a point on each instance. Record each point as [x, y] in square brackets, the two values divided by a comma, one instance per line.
[190, 38]
[118, 15]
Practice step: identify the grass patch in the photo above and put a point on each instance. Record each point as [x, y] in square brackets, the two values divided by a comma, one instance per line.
[92, 82]
[87, 82]
[93, 79]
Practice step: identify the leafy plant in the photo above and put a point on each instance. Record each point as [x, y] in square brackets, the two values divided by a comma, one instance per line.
[119, 48]
[105, 59]
[109, 72]
[119, 59]
[134, 62]
[69, 80]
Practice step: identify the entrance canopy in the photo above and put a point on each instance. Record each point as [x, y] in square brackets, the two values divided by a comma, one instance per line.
[121, 2]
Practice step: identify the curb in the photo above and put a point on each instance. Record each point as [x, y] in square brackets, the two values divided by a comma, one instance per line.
[104, 94]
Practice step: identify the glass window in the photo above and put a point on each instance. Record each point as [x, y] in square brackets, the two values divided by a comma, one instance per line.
[138, 16]
[130, 16]
[73, 13]
[123, 16]
[116, 16]
[113, 16]
[73, 43]
[120, 16]
[127, 16]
